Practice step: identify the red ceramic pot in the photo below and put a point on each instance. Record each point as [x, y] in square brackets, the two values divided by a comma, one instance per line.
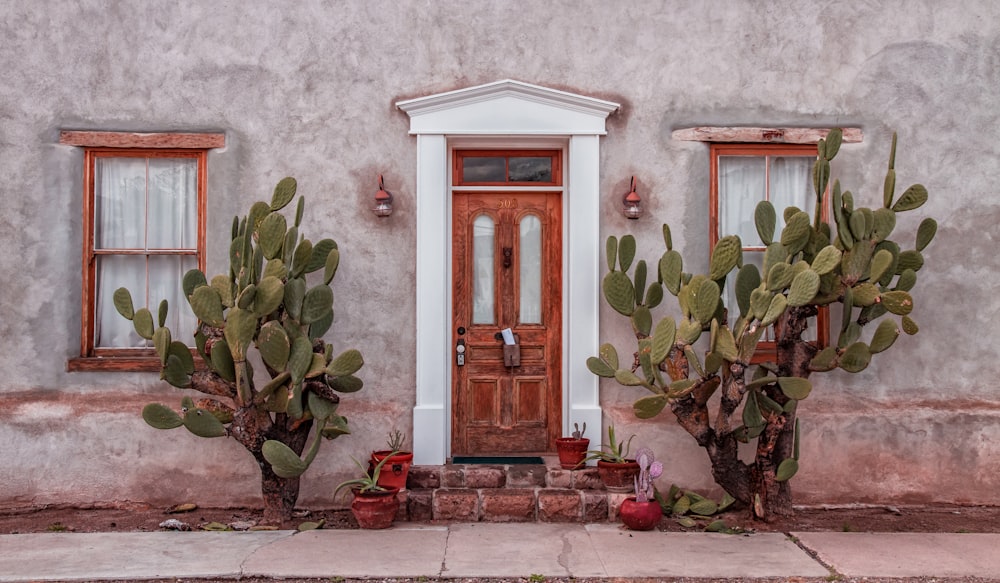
[375, 509]
[618, 477]
[572, 452]
[395, 470]
[640, 515]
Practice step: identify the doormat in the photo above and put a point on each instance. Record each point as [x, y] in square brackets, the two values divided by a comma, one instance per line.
[500, 460]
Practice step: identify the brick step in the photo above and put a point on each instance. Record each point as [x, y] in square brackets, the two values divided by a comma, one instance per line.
[507, 493]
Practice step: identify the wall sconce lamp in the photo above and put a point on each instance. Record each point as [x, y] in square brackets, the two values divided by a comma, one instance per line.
[383, 200]
[631, 203]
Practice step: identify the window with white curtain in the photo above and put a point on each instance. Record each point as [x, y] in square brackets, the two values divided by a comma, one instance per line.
[144, 228]
[145, 234]
[742, 176]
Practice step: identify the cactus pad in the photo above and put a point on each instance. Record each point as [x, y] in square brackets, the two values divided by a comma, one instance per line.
[123, 303]
[803, 288]
[619, 292]
[727, 254]
[161, 417]
[912, 198]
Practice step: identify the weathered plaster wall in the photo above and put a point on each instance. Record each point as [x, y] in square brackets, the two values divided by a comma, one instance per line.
[307, 89]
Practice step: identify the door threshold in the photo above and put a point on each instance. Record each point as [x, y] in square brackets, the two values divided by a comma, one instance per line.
[498, 460]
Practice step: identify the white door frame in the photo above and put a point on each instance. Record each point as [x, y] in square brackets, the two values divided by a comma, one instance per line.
[516, 111]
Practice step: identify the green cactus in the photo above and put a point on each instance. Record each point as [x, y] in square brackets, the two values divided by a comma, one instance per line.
[267, 309]
[809, 264]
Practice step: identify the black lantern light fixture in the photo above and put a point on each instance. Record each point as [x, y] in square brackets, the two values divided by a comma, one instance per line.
[631, 203]
[383, 200]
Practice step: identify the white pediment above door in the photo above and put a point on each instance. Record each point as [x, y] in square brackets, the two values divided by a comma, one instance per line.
[507, 107]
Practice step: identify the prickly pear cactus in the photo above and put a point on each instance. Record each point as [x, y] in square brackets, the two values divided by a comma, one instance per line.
[809, 264]
[263, 305]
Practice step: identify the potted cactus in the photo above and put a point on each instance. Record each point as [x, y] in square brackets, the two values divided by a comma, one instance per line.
[261, 311]
[573, 450]
[616, 469]
[373, 506]
[642, 511]
[398, 468]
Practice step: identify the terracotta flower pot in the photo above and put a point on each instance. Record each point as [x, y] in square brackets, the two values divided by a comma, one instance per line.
[395, 471]
[618, 477]
[640, 515]
[375, 509]
[571, 452]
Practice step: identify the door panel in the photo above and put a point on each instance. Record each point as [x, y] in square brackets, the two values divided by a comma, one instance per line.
[507, 253]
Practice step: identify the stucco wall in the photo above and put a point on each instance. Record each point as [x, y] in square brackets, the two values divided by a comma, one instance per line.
[308, 89]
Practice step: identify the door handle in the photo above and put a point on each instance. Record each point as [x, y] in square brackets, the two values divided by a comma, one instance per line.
[460, 353]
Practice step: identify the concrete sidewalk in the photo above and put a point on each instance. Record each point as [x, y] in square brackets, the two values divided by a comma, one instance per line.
[468, 550]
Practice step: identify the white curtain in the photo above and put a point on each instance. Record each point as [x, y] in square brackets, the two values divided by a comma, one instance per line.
[143, 204]
[742, 184]
[792, 185]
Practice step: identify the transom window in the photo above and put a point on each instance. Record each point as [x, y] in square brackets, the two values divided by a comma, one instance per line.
[507, 168]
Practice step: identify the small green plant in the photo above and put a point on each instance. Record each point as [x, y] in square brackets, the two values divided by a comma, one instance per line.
[577, 432]
[613, 451]
[536, 578]
[847, 527]
[396, 440]
[680, 502]
[368, 482]
[57, 527]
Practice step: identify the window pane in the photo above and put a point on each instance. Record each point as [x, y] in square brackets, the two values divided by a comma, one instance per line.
[534, 169]
[165, 274]
[742, 184]
[792, 185]
[483, 251]
[111, 330]
[120, 203]
[173, 203]
[483, 169]
[531, 270]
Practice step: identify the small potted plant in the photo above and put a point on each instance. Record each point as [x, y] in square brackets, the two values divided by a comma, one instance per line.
[573, 450]
[373, 506]
[615, 468]
[642, 511]
[398, 466]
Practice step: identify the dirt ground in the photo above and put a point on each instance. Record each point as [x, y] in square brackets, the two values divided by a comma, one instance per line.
[855, 518]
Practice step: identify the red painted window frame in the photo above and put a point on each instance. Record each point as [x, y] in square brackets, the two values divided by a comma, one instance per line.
[113, 144]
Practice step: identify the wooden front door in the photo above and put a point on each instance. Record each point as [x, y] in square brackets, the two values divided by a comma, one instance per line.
[507, 253]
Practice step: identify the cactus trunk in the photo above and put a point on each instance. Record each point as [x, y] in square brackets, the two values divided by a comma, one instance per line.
[252, 428]
[279, 494]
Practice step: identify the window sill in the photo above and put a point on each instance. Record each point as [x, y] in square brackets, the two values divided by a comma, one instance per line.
[113, 364]
[125, 360]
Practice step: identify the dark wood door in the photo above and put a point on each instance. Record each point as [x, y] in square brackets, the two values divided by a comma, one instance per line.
[507, 253]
